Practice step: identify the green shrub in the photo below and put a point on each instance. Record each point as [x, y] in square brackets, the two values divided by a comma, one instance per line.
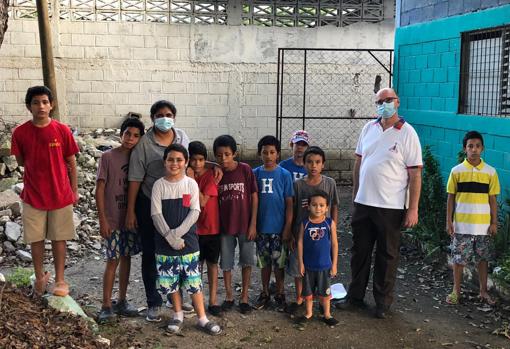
[430, 230]
[20, 277]
[502, 238]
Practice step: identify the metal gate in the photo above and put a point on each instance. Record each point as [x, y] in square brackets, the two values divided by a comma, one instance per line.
[329, 92]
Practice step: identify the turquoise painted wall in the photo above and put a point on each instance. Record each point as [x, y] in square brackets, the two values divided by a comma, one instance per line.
[426, 77]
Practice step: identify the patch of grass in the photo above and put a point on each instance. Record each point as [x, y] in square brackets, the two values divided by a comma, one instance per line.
[20, 277]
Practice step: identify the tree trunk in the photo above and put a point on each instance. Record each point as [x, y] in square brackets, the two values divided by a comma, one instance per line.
[4, 16]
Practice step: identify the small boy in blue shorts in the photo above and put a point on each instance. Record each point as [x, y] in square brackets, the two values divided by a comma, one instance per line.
[471, 215]
[175, 208]
[111, 200]
[274, 219]
[318, 255]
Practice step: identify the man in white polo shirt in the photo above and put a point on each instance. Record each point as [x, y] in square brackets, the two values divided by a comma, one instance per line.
[386, 191]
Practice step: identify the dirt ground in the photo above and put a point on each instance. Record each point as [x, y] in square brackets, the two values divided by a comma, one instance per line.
[419, 317]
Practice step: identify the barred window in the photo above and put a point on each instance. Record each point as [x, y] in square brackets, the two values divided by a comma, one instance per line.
[485, 73]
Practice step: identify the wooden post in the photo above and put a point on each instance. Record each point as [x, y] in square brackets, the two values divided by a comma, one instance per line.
[47, 53]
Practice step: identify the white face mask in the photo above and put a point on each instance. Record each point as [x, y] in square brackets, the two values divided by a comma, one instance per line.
[164, 124]
[386, 110]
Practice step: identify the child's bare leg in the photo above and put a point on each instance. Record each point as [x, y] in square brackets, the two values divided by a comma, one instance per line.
[265, 275]
[457, 277]
[37, 249]
[108, 281]
[227, 279]
[299, 288]
[212, 276]
[198, 303]
[326, 305]
[124, 270]
[59, 256]
[309, 307]
[176, 301]
[246, 278]
[482, 278]
[279, 275]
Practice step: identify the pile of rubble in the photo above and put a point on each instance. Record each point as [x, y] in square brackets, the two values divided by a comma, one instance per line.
[12, 249]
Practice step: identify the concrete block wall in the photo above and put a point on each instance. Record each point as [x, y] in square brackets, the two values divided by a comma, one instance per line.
[419, 11]
[221, 78]
[427, 78]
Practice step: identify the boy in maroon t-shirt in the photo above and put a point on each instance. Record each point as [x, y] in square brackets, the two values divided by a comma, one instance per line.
[208, 224]
[111, 201]
[46, 148]
[238, 199]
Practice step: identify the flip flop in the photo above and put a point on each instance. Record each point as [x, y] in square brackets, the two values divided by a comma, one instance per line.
[61, 289]
[486, 300]
[40, 285]
[209, 328]
[174, 326]
[452, 299]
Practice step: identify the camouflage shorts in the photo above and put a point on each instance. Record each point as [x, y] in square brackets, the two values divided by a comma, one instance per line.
[270, 251]
[468, 248]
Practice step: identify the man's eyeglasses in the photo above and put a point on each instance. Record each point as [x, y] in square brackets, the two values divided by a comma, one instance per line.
[386, 100]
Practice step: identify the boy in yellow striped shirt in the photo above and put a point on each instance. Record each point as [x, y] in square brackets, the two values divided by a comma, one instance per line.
[471, 214]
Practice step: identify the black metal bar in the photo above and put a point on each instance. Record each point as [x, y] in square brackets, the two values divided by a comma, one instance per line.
[304, 88]
[337, 49]
[281, 92]
[278, 95]
[378, 61]
[391, 74]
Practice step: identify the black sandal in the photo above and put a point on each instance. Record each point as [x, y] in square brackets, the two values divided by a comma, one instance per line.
[214, 310]
[331, 321]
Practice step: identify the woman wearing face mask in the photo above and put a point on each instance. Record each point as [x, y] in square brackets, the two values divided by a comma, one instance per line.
[145, 167]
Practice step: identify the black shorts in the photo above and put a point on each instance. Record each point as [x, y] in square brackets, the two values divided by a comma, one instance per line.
[210, 247]
[316, 283]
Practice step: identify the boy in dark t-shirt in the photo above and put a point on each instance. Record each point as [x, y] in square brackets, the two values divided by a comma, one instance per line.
[238, 218]
[111, 200]
[175, 208]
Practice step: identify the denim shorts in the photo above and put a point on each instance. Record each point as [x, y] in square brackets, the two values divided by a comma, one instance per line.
[292, 264]
[468, 248]
[247, 251]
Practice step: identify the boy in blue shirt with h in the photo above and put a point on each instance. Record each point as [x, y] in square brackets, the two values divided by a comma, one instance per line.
[274, 219]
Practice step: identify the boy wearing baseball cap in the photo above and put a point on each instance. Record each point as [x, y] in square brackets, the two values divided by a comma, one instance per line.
[299, 142]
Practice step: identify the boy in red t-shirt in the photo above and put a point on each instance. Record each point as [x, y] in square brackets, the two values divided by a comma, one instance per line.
[208, 224]
[46, 148]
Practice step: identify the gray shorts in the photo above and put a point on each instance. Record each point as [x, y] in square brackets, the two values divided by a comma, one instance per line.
[247, 251]
[292, 267]
[316, 283]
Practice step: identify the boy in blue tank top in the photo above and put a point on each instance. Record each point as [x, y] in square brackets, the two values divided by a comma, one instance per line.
[318, 256]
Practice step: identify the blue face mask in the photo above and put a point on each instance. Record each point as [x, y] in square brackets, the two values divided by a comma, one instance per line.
[164, 124]
[386, 110]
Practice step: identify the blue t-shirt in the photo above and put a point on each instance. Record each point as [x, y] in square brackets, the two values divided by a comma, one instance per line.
[296, 171]
[317, 245]
[274, 187]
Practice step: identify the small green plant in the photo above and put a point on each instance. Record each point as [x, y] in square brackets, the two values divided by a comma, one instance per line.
[20, 277]
[502, 238]
[430, 230]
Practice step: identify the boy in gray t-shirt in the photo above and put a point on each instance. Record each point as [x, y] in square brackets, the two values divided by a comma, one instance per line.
[111, 199]
[314, 159]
